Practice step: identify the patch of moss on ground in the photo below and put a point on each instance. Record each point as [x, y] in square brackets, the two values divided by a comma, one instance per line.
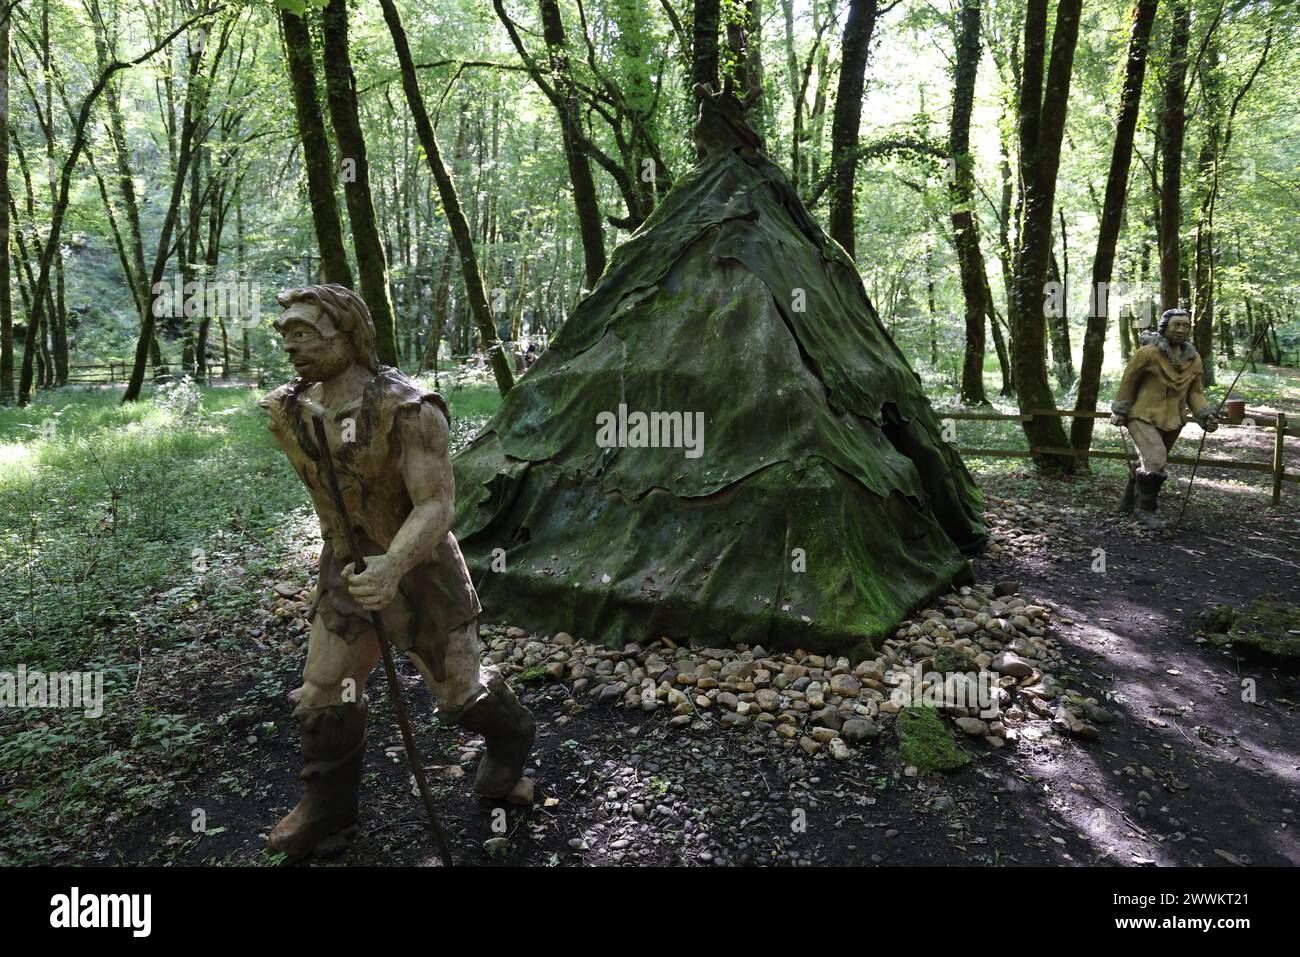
[925, 741]
[1220, 619]
[1268, 630]
[948, 660]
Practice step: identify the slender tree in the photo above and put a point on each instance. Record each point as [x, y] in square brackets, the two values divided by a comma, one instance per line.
[184, 156]
[961, 185]
[1173, 127]
[6, 294]
[1041, 131]
[704, 46]
[1214, 148]
[451, 203]
[345, 116]
[134, 266]
[560, 88]
[1142, 17]
[58, 316]
[321, 194]
[745, 40]
[847, 119]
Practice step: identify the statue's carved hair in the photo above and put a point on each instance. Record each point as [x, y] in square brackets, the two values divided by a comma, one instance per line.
[1170, 314]
[346, 310]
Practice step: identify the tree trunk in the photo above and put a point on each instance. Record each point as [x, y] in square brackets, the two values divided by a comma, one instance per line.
[1148, 303]
[1207, 162]
[815, 129]
[584, 188]
[58, 315]
[1005, 252]
[794, 84]
[1058, 329]
[315, 150]
[6, 294]
[1062, 360]
[341, 90]
[961, 185]
[184, 157]
[1173, 125]
[451, 202]
[188, 253]
[859, 26]
[1112, 216]
[1000, 346]
[136, 273]
[704, 46]
[438, 310]
[746, 79]
[211, 258]
[752, 87]
[1042, 128]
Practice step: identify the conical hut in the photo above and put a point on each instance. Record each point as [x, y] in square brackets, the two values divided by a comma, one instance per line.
[722, 444]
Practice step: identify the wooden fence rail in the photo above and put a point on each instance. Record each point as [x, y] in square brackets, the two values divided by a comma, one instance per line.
[1277, 467]
[1266, 418]
[111, 373]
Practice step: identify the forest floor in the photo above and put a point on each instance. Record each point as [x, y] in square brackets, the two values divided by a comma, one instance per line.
[1189, 773]
[1201, 765]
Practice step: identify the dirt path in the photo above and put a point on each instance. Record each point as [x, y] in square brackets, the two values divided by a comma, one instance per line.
[1188, 773]
[1217, 776]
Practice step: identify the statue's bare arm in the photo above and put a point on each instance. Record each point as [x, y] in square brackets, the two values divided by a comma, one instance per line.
[427, 474]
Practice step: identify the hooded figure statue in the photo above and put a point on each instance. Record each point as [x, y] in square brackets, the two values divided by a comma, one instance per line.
[1162, 382]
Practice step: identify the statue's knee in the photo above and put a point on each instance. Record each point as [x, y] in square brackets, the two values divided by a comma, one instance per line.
[315, 695]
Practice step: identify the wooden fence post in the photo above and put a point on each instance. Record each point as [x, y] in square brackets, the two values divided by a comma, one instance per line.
[1279, 462]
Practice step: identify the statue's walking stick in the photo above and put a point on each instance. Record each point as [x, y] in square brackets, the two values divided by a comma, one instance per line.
[1217, 409]
[359, 565]
[1126, 506]
[1128, 456]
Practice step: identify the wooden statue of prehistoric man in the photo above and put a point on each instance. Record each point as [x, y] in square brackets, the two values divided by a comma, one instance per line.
[388, 438]
[1162, 381]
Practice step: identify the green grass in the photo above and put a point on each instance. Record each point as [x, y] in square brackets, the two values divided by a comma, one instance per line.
[129, 536]
[1269, 386]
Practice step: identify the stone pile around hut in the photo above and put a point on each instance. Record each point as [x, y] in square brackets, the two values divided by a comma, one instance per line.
[984, 656]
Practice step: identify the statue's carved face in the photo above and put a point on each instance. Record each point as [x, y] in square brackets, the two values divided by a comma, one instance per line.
[316, 349]
[1178, 329]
